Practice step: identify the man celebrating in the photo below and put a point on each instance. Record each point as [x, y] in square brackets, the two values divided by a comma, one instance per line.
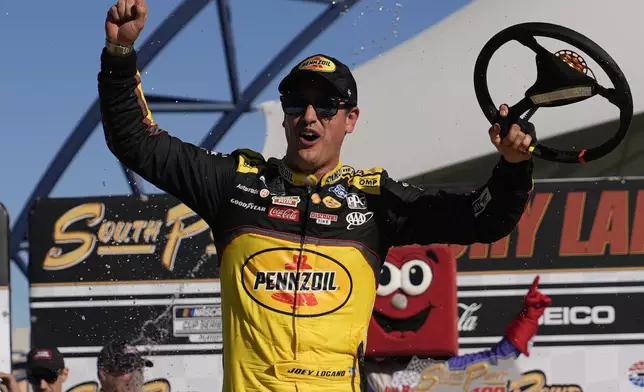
[300, 239]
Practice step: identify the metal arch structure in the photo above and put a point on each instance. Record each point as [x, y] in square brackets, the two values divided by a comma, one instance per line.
[241, 100]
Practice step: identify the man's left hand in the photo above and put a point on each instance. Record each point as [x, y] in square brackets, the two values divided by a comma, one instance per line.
[514, 146]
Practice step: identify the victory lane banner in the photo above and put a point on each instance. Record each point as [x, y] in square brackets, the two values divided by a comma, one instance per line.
[108, 267]
[5, 296]
[568, 226]
[121, 238]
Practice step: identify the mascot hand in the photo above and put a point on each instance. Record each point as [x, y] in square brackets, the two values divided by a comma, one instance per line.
[524, 327]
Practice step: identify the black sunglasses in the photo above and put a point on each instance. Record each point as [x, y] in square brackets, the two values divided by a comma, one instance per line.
[294, 105]
[50, 377]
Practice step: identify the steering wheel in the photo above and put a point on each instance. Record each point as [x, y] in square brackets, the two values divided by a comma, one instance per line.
[562, 79]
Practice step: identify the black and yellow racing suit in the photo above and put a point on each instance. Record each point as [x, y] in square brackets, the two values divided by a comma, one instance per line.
[300, 256]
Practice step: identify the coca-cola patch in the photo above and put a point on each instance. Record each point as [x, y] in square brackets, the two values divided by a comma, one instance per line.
[291, 214]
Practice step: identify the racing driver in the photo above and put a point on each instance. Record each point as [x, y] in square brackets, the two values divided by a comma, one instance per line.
[300, 239]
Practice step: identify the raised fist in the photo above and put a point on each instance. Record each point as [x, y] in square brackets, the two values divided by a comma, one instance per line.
[125, 21]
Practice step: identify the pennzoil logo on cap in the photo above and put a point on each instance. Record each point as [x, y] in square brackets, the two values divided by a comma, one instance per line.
[317, 63]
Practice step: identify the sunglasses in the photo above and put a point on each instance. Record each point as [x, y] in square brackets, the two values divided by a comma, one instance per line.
[49, 376]
[294, 105]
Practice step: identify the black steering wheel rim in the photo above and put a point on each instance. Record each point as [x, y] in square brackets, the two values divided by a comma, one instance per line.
[524, 33]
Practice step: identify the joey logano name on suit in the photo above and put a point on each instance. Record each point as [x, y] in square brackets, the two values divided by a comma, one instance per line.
[281, 280]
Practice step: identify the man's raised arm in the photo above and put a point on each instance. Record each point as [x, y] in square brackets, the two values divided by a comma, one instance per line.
[416, 216]
[195, 176]
[486, 215]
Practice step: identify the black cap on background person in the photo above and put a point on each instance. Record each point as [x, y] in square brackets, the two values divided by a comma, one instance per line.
[327, 68]
[46, 369]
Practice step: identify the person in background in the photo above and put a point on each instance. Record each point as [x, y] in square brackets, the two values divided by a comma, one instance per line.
[46, 371]
[8, 383]
[120, 368]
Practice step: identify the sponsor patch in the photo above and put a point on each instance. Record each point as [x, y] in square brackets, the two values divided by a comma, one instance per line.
[356, 202]
[324, 219]
[368, 183]
[247, 189]
[331, 202]
[358, 219]
[339, 191]
[481, 202]
[315, 198]
[343, 172]
[290, 214]
[286, 201]
[290, 283]
[248, 206]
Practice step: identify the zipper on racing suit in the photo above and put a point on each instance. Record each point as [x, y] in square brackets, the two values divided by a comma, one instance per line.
[360, 354]
[297, 271]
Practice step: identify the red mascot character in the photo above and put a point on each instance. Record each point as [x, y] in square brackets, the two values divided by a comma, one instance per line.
[416, 296]
[416, 314]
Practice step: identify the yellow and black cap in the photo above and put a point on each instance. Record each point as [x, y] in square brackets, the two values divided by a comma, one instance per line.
[328, 68]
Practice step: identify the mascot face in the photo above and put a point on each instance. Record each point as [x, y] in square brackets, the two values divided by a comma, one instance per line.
[416, 306]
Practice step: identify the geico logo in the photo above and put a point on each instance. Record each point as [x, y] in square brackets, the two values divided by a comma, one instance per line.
[123, 237]
[578, 315]
[282, 280]
[290, 281]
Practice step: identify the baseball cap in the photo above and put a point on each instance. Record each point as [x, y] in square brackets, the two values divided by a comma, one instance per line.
[45, 358]
[119, 355]
[328, 68]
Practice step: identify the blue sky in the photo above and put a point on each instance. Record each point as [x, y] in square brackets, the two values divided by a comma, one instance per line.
[48, 80]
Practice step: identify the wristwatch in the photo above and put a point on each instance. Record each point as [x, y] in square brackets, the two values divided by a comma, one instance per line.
[118, 50]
